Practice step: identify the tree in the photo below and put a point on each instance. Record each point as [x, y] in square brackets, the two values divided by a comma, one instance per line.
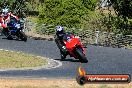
[68, 13]
[122, 7]
[90, 4]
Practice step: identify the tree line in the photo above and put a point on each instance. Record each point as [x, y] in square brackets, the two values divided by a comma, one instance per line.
[74, 13]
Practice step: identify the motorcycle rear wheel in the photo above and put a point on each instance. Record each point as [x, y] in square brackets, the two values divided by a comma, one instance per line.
[6, 33]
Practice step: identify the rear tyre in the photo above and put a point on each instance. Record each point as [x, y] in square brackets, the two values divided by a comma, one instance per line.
[6, 33]
[22, 36]
[81, 56]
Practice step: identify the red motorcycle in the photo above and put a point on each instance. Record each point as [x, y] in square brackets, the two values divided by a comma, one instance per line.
[75, 48]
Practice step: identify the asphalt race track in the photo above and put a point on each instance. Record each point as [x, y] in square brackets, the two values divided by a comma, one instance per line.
[102, 60]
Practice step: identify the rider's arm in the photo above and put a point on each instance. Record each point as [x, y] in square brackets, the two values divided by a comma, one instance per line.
[13, 16]
[2, 23]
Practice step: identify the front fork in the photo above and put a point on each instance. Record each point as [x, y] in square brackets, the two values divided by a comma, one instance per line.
[83, 48]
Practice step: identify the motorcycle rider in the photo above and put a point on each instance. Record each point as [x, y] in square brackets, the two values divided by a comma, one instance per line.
[60, 34]
[5, 18]
[2, 23]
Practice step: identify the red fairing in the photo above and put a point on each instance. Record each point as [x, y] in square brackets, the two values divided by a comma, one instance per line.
[72, 43]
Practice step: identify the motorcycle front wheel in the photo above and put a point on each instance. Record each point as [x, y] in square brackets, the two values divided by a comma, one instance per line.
[80, 55]
[22, 36]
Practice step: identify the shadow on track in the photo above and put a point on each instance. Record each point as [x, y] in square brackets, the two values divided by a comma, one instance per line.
[16, 39]
[70, 60]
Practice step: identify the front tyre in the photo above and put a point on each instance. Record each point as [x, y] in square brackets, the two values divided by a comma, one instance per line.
[22, 36]
[81, 56]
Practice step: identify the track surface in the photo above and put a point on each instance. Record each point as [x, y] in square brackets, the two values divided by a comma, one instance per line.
[102, 60]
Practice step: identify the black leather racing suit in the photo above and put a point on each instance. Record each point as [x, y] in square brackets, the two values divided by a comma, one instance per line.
[61, 45]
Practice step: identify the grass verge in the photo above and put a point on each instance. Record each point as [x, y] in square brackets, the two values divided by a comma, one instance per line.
[10, 59]
[54, 83]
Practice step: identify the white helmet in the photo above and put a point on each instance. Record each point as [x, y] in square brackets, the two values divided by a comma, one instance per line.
[59, 28]
[5, 11]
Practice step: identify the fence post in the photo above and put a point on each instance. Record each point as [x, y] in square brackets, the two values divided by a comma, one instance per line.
[97, 37]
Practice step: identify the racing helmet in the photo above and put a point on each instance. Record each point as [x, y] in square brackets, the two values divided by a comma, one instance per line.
[5, 11]
[60, 30]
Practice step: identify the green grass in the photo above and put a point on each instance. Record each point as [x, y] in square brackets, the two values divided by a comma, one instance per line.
[10, 59]
[33, 19]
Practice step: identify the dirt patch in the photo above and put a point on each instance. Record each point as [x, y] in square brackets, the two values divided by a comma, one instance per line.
[54, 83]
[36, 36]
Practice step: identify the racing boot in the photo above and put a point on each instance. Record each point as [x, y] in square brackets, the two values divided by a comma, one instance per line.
[63, 55]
